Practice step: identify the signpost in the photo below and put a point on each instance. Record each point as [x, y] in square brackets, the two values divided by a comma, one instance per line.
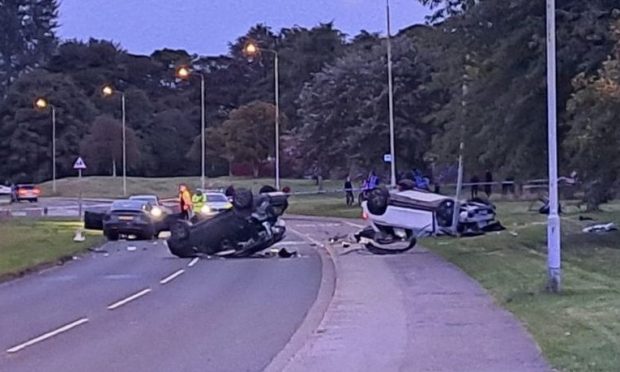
[79, 165]
[387, 158]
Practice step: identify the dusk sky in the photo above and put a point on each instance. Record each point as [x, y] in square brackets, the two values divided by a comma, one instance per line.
[206, 27]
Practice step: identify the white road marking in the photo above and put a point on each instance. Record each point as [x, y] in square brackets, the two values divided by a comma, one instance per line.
[320, 224]
[171, 277]
[193, 262]
[129, 299]
[307, 236]
[354, 224]
[44, 337]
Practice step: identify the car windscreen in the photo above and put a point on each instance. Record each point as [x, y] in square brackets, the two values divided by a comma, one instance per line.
[128, 205]
[150, 199]
[216, 198]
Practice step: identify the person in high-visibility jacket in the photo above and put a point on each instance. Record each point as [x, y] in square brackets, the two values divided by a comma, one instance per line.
[198, 201]
[185, 202]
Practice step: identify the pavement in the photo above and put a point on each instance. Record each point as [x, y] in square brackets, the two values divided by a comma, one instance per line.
[134, 307]
[410, 312]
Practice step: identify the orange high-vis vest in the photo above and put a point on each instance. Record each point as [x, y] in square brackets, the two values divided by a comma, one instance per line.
[185, 199]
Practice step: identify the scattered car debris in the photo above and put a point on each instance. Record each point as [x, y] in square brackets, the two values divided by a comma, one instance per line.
[131, 248]
[585, 218]
[98, 250]
[514, 233]
[601, 227]
[283, 253]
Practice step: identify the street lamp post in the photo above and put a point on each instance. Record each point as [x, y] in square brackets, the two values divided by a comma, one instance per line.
[252, 49]
[109, 91]
[184, 73]
[41, 104]
[553, 225]
[391, 96]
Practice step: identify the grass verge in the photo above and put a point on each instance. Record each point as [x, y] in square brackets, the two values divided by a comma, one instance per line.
[579, 329]
[28, 245]
[110, 187]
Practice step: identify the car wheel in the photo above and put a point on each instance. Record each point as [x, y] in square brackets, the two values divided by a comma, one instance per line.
[147, 235]
[112, 236]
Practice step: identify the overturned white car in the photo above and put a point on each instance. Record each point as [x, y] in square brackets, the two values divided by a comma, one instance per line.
[397, 218]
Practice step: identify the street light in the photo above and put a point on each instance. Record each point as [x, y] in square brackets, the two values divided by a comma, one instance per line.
[109, 91]
[553, 225]
[251, 49]
[42, 104]
[185, 73]
[391, 95]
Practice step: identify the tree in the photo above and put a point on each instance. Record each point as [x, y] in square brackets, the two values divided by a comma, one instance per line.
[248, 134]
[26, 134]
[593, 137]
[345, 108]
[102, 148]
[27, 29]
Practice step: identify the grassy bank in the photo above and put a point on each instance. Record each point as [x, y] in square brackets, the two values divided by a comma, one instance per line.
[110, 187]
[578, 329]
[27, 244]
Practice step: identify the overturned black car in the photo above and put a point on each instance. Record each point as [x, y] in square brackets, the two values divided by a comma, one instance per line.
[251, 226]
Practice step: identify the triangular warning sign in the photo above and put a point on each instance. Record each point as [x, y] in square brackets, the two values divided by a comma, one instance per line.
[79, 164]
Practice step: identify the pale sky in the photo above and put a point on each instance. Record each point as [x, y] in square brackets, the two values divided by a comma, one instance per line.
[206, 26]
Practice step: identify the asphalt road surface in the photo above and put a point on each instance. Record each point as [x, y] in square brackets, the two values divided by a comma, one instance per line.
[134, 307]
[54, 207]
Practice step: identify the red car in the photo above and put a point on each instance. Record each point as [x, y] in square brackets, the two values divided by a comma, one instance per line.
[26, 192]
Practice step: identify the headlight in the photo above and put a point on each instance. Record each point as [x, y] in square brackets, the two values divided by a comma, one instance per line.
[156, 212]
[205, 209]
[228, 205]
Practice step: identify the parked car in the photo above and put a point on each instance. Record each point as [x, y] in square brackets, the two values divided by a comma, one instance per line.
[6, 194]
[27, 192]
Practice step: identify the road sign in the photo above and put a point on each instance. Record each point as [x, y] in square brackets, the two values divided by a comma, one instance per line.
[387, 158]
[79, 164]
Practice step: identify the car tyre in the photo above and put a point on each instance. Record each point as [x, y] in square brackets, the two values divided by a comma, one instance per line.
[112, 236]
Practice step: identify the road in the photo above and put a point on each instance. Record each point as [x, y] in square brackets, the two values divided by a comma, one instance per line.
[53, 207]
[135, 307]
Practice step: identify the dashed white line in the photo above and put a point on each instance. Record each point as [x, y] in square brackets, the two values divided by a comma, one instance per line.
[44, 337]
[193, 262]
[354, 224]
[129, 299]
[171, 277]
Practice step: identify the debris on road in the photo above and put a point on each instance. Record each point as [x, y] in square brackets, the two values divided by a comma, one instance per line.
[601, 227]
[131, 248]
[97, 250]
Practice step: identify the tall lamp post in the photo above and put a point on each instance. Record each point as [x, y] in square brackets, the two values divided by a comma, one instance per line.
[185, 73]
[108, 91]
[41, 104]
[391, 95]
[252, 49]
[553, 225]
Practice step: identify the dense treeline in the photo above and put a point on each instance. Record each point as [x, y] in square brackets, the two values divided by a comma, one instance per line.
[478, 66]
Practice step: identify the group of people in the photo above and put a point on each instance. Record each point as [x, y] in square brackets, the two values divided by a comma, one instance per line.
[419, 181]
[190, 203]
[488, 184]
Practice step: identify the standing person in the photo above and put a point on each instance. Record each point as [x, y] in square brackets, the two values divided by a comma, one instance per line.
[474, 186]
[488, 187]
[230, 192]
[185, 202]
[198, 201]
[348, 188]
